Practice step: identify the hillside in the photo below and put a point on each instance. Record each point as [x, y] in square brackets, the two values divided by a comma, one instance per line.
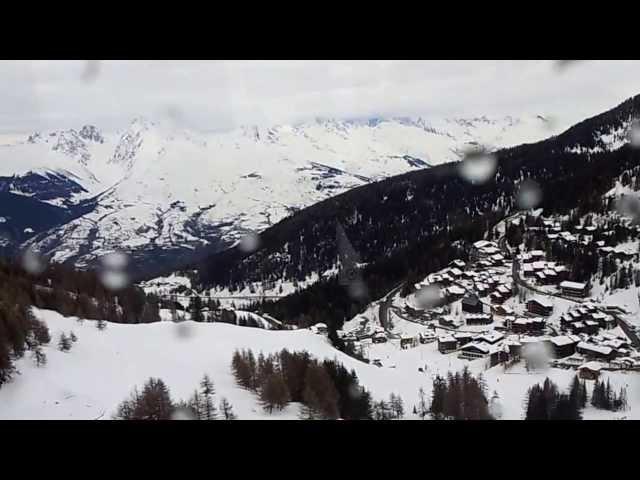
[411, 224]
[102, 368]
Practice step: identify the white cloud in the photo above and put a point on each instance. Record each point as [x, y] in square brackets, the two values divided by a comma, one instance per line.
[218, 95]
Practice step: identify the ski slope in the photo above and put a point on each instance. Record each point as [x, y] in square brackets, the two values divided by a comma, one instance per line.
[103, 367]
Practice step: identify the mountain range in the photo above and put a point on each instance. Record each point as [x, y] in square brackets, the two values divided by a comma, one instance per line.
[167, 195]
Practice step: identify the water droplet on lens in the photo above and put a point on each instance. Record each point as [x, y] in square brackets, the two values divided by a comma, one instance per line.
[33, 262]
[249, 243]
[428, 296]
[114, 279]
[529, 195]
[115, 261]
[183, 414]
[478, 167]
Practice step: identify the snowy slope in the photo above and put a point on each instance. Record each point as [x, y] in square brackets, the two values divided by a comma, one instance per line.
[163, 188]
[103, 367]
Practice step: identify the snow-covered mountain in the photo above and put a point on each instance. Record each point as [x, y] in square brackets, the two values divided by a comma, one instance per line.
[151, 188]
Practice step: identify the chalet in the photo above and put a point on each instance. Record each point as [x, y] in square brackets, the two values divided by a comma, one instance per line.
[463, 338]
[455, 292]
[605, 320]
[458, 263]
[589, 371]
[536, 255]
[573, 289]
[564, 346]
[550, 275]
[490, 338]
[528, 325]
[447, 344]
[527, 270]
[504, 290]
[478, 319]
[578, 327]
[450, 322]
[455, 272]
[497, 259]
[540, 306]
[515, 347]
[502, 310]
[497, 298]
[599, 352]
[321, 328]
[590, 327]
[474, 350]
[482, 289]
[541, 278]
[539, 266]
[471, 304]
[379, 337]
[408, 342]
[498, 354]
[508, 321]
[426, 337]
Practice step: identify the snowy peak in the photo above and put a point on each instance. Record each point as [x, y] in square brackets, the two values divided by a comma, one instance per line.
[91, 133]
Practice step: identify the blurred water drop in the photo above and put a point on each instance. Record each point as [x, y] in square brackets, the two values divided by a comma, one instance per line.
[114, 279]
[250, 242]
[183, 414]
[358, 289]
[628, 206]
[529, 195]
[33, 262]
[428, 297]
[354, 392]
[495, 408]
[478, 167]
[562, 65]
[634, 134]
[537, 355]
[183, 330]
[91, 71]
[548, 122]
[115, 261]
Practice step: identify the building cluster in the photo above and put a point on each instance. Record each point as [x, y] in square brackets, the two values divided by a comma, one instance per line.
[586, 318]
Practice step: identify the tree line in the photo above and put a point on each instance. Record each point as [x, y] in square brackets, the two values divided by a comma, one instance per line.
[67, 291]
[546, 402]
[154, 402]
[326, 389]
[460, 396]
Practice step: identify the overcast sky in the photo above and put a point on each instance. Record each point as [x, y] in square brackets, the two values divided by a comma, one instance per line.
[211, 95]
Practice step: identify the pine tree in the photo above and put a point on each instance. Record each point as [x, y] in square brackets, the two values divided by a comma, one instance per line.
[39, 357]
[208, 409]
[226, 410]
[154, 403]
[422, 403]
[438, 398]
[274, 393]
[64, 343]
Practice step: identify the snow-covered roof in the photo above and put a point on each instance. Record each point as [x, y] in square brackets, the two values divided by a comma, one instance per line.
[594, 366]
[492, 337]
[446, 338]
[542, 301]
[481, 243]
[455, 290]
[595, 348]
[563, 340]
[478, 346]
[574, 285]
